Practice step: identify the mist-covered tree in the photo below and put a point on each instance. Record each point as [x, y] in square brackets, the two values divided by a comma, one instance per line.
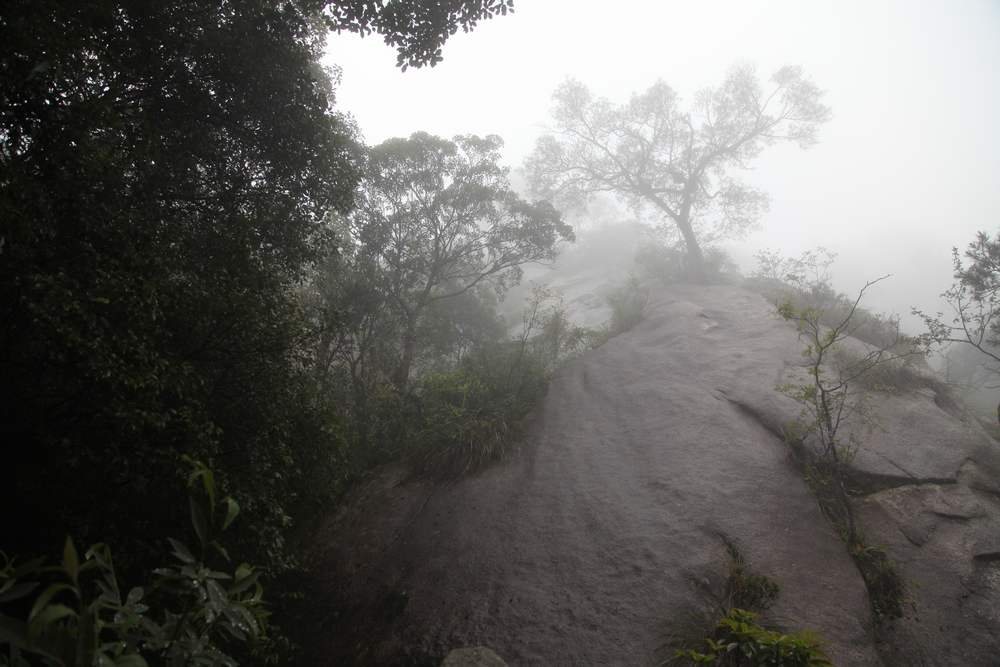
[358, 347]
[974, 300]
[439, 219]
[652, 152]
[416, 28]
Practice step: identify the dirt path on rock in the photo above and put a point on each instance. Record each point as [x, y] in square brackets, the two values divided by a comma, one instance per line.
[604, 533]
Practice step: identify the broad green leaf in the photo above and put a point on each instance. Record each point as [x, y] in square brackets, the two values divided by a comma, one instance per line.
[46, 617]
[232, 509]
[17, 590]
[203, 472]
[243, 583]
[208, 481]
[182, 551]
[101, 554]
[43, 600]
[71, 560]
[221, 549]
[199, 521]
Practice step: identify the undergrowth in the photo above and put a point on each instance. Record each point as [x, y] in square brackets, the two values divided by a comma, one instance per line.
[471, 417]
[737, 638]
[883, 580]
[628, 305]
[905, 371]
[829, 400]
[739, 641]
[79, 613]
[885, 584]
[746, 589]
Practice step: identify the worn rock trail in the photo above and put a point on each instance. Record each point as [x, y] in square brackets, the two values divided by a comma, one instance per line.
[605, 533]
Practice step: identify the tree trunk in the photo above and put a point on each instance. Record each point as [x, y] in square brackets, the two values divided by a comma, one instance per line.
[409, 349]
[695, 258]
[361, 417]
[682, 218]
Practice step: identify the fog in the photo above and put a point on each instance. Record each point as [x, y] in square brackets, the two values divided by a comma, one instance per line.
[457, 365]
[906, 168]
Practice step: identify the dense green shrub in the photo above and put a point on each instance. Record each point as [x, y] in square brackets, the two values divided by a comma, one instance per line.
[473, 384]
[160, 187]
[740, 642]
[77, 614]
[462, 428]
[471, 416]
[628, 305]
[885, 584]
[736, 638]
[746, 589]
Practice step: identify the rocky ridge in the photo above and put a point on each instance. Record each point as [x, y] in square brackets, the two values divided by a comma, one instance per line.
[605, 535]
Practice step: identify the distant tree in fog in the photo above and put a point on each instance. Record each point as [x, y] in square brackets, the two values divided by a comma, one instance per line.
[439, 218]
[651, 152]
[974, 299]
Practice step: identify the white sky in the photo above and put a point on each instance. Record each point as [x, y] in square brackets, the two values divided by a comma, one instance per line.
[908, 167]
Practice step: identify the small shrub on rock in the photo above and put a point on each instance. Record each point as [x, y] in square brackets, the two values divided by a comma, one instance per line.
[746, 589]
[470, 417]
[628, 305]
[739, 641]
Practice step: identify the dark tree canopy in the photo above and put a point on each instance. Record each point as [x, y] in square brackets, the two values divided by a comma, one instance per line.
[164, 167]
[416, 28]
[680, 162]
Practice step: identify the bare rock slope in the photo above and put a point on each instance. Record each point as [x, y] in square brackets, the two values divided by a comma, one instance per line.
[606, 532]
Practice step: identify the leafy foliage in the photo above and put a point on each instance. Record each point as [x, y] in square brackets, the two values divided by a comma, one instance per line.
[628, 305]
[746, 589]
[189, 614]
[471, 417]
[739, 641]
[417, 29]
[828, 403]
[974, 298]
[804, 283]
[161, 185]
[885, 584]
[163, 189]
[652, 153]
[736, 638]
[409, 340]
[438, 219]
[468, 418]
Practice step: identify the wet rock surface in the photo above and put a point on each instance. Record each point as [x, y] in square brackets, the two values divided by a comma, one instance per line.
[606, 530]
[473, 657]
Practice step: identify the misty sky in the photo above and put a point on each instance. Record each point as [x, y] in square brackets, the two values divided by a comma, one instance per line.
[908, 167]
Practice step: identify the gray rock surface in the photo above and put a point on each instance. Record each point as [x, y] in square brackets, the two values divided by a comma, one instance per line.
[473, 657]
[604, 535]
